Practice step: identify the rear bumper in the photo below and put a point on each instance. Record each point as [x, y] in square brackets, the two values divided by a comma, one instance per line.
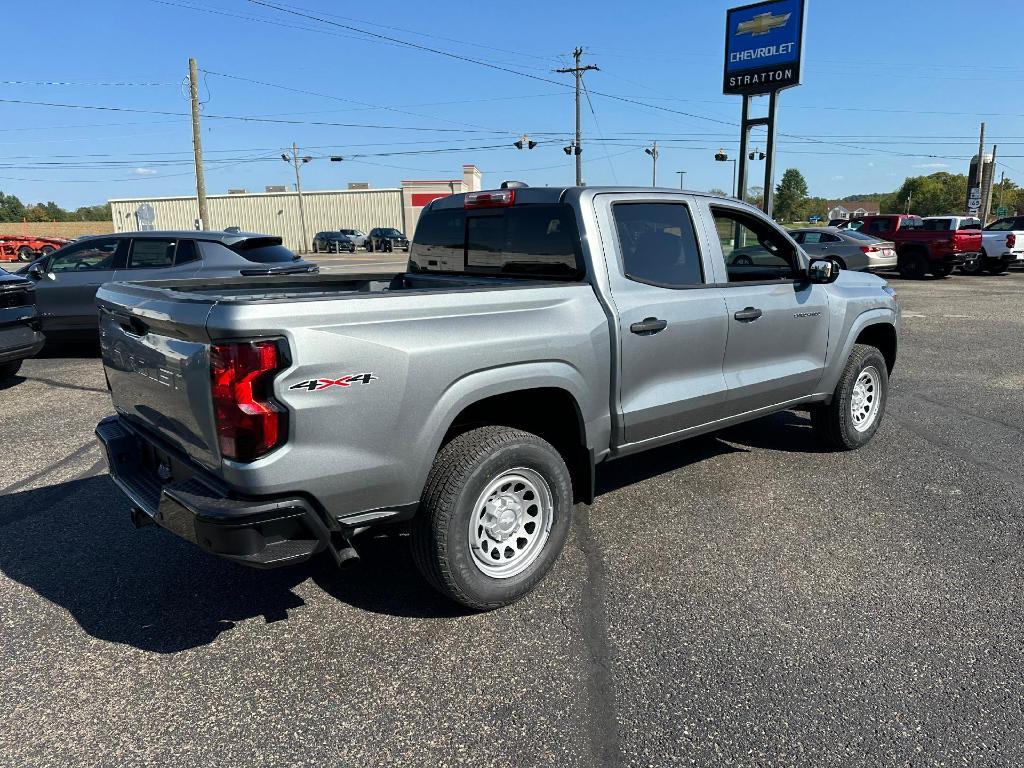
[20, 336]
[263, 533]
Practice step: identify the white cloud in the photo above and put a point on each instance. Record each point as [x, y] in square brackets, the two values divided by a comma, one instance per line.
[871, 165]
[144, 171]
[932, 165]
[837, 178]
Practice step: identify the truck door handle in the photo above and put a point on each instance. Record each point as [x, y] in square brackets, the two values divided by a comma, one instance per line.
[748, 315]
[649, 326]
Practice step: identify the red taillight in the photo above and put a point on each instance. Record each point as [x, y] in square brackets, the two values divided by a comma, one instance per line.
[869, 249]
[1011, 240]
[249, 422]
[499, 198]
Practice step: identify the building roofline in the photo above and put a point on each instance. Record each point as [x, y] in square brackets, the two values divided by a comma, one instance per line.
[305, 193]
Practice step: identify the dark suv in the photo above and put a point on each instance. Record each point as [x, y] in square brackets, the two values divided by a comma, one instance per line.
[386, 239]
[19, 323]
[332, 242]
[66, 281]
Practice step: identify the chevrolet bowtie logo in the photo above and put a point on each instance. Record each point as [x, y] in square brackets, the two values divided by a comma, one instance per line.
[762, 24]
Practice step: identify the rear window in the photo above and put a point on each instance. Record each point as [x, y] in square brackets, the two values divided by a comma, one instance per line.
[912, 224]
[937, 224]
[264, 251]
[855, 235]
[524, 241]
[970, 224]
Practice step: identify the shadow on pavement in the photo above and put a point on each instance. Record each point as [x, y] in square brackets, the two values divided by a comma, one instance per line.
[75, 349]
[785, 431]
[73, 544]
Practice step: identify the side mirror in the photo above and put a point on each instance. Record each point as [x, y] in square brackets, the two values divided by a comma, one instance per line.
[36, 271]
[822, 271]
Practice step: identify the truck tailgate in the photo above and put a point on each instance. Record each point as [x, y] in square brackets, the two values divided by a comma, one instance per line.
[159, 370]
[967, 241]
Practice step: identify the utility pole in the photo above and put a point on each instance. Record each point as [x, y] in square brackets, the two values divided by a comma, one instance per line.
[653, 152]
[197, 143]
[578, 145]
[298, 162]
[682, 175]
[979, 173]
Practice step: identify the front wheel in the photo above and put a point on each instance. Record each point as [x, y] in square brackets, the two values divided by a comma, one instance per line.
[858, 402]
[494, 516]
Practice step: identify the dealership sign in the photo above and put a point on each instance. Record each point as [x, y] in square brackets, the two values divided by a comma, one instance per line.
[763, 47]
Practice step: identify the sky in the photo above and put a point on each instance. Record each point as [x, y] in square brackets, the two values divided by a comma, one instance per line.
[407, 90]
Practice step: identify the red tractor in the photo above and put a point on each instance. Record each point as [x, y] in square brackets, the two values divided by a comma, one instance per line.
[27, 247]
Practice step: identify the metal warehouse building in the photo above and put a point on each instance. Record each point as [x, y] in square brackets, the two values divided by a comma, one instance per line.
[277, 213]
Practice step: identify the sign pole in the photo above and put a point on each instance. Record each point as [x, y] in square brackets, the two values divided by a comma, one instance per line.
[744, 134]
[769, 155]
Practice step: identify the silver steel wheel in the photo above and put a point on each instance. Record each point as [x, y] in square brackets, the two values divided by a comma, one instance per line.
[510, 523]
[865, 399]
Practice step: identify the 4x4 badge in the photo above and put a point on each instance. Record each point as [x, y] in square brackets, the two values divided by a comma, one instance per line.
[318, 385]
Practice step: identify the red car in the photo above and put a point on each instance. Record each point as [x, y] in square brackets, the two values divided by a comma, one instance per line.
[920, 249]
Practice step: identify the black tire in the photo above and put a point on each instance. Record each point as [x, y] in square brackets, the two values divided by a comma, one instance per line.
[942, 270]
[7, 370]
[369, 246]
[46, 250]
[974, 266]
[461, 472]
[25, 253]
[833, 423]
[997, 266]
[913, 265]
[315, 247]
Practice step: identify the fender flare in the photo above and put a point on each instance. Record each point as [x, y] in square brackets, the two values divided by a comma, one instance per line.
[500, 380]
[834, 366]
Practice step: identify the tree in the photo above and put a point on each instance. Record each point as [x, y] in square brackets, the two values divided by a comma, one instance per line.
[790, 195]
[755, 196]
[717, 191]
[932, 195]
[12, 209]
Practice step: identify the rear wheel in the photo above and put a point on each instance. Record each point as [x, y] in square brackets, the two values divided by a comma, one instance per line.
[858, 402]
[913, 265]
[997, 266]
[25, 253]
[942, 270]
[46, 250]
[494, 516]
[974, 266]
[369, 246]
[316, 248]
[7, 370]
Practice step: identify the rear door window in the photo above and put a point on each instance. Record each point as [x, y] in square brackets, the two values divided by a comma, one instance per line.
[658, 244]
[151, 254]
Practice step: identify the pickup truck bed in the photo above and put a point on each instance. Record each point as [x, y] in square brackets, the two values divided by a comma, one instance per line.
[536, 334]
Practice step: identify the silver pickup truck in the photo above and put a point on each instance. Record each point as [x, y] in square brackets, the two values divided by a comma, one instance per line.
[536, 334]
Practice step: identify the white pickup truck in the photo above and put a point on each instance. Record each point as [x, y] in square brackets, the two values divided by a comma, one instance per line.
[1002, 244]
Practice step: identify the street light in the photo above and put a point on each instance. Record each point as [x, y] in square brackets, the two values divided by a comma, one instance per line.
[721, 157]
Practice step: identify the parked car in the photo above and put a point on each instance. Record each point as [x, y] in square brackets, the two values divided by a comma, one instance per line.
[921, 249]
[357, 236]
[537, 333]
[20, 336]
[849, 248]
[332, 242]
[386, 239]
[1002, 244]
[66, 281]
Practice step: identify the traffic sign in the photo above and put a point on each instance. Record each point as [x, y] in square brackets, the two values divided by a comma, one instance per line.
[1001, 210]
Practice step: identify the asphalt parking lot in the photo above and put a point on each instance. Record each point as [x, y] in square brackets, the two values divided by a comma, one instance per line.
[740, 599]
